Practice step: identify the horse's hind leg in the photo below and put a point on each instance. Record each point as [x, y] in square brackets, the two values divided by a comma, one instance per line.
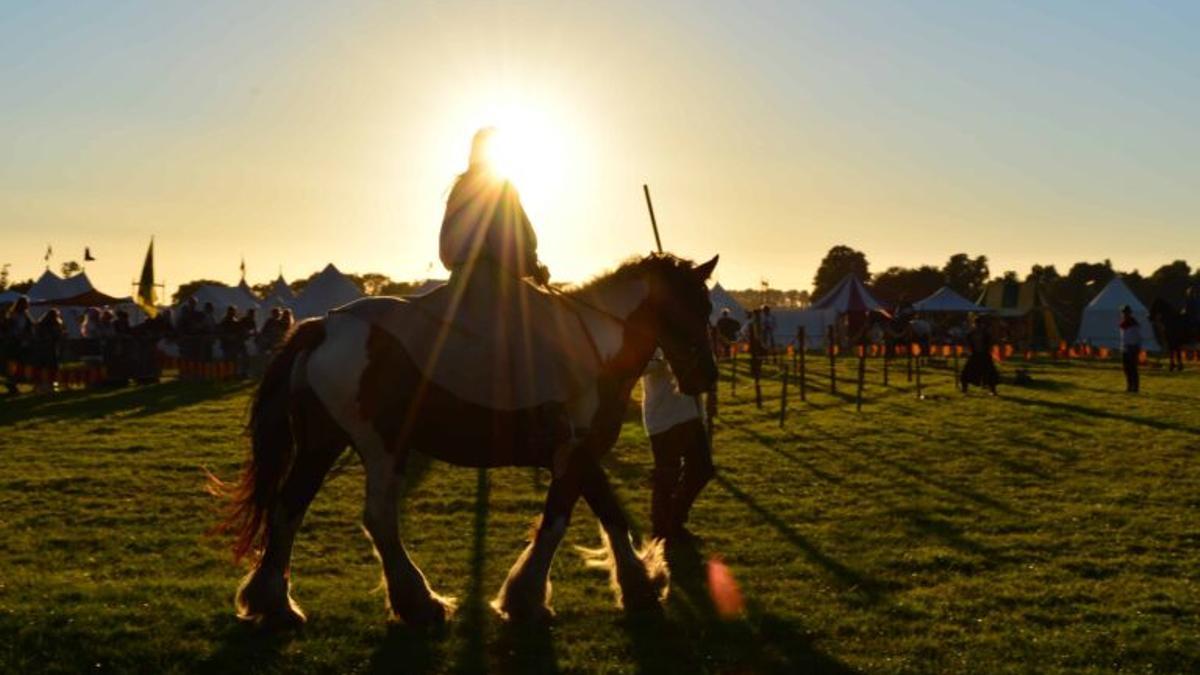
[640, 579]
[264, 593]
[408, 594]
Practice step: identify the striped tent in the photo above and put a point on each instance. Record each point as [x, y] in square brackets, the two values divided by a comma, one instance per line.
[1023, 308]
[849, 296]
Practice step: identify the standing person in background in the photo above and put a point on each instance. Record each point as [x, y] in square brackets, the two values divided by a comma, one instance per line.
[768, 330]
[980, 370]
[682, 454]
[48, 335]
[727, 330]
[1131, 348]
[18, 337]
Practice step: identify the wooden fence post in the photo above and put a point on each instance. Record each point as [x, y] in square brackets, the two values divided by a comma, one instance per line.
[862, 370]
[733, 371]
[783, 397]
[801, 375]
[918, 357]
[832, 362]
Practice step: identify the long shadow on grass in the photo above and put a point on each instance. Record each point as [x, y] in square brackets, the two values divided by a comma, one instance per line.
[244, 648]
[471, 657]
[1076, 409]
[872, 591]
[696, 638]
[91, 404]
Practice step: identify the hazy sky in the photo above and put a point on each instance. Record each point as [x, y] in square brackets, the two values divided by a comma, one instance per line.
[299, 133]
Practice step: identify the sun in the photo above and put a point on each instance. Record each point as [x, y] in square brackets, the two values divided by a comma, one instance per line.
[529, 148]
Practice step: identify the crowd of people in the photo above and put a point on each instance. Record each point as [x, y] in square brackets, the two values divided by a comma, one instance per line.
[34, 350]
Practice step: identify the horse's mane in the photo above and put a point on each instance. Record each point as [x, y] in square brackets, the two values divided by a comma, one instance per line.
[631, 268]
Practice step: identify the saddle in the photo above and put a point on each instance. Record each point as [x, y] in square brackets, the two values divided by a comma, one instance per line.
[498, 342]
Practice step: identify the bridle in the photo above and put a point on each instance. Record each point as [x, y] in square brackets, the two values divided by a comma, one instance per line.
[693, 352]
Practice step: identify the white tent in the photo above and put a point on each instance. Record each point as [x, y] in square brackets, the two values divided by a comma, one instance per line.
[326, 291]
[721, 299]
[9, 297]
[946, 300]
[816, 323]
[222, 297]
[1099, 324]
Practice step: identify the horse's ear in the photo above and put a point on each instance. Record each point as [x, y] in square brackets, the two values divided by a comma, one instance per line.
[705, 271]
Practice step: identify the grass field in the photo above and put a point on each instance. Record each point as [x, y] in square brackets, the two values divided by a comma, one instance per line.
[1055, 528]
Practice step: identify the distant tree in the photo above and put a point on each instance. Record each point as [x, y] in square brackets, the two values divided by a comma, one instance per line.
[903, 284]
[1010, 277]
[965, 275]
[71, 268]
[1043, 274]
[21, 286]
[838, 262]
[262, 290]
[1170, 282]
[185, 291]
[4, 276]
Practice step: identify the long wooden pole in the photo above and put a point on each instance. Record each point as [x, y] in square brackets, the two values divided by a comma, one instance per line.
[653, 220]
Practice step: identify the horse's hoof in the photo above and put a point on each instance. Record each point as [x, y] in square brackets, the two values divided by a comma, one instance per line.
[533, 613]
[289, 618]
[433, 612]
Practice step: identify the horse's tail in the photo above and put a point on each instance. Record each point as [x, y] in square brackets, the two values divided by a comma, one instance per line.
[272, 445]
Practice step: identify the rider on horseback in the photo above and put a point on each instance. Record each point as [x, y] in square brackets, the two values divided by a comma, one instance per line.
[485, 230]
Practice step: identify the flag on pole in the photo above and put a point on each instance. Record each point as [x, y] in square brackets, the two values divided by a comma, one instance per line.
[49, 252]
[146, 296]
[243, 268]
[87, 254]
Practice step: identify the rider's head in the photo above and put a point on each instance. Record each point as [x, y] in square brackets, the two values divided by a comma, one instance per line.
[481, 148]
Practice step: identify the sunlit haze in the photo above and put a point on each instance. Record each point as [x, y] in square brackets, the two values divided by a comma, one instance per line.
[299, 133]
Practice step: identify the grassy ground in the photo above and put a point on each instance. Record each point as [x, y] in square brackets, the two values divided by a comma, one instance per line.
[1055, 528]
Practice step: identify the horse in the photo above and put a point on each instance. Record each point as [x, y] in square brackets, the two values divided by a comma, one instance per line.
[1174, 331]
[340, 382]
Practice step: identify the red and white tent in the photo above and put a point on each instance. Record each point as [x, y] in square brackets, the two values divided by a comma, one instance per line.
[850, 295]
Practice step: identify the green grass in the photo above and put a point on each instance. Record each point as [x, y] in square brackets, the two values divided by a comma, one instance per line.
[1055, 528]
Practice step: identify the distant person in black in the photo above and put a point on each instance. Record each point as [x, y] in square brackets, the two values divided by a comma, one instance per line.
[727, 331]
[272, 332]
[980, 370]
[1131, 349]
[229, 334]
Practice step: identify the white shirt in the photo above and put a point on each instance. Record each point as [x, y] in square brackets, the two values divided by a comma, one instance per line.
[1131, 337]
[663, 407]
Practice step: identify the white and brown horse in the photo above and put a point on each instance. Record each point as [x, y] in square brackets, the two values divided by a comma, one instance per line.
[340, 382]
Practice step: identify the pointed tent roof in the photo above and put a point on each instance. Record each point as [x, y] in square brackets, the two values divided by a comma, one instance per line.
[329, 289]
[850, 295]
[1098, 325]
[47, 287]
[946, 300]
[280, 289]
[51, 287]
[721, 299]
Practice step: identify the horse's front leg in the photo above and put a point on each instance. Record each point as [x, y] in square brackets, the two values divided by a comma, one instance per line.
[639, 578]
[408, 594]
[525, 593]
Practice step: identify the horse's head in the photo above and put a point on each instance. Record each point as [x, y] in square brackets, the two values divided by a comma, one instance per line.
[681, 307]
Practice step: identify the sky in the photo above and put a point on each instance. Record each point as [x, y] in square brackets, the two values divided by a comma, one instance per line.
[292, 134]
